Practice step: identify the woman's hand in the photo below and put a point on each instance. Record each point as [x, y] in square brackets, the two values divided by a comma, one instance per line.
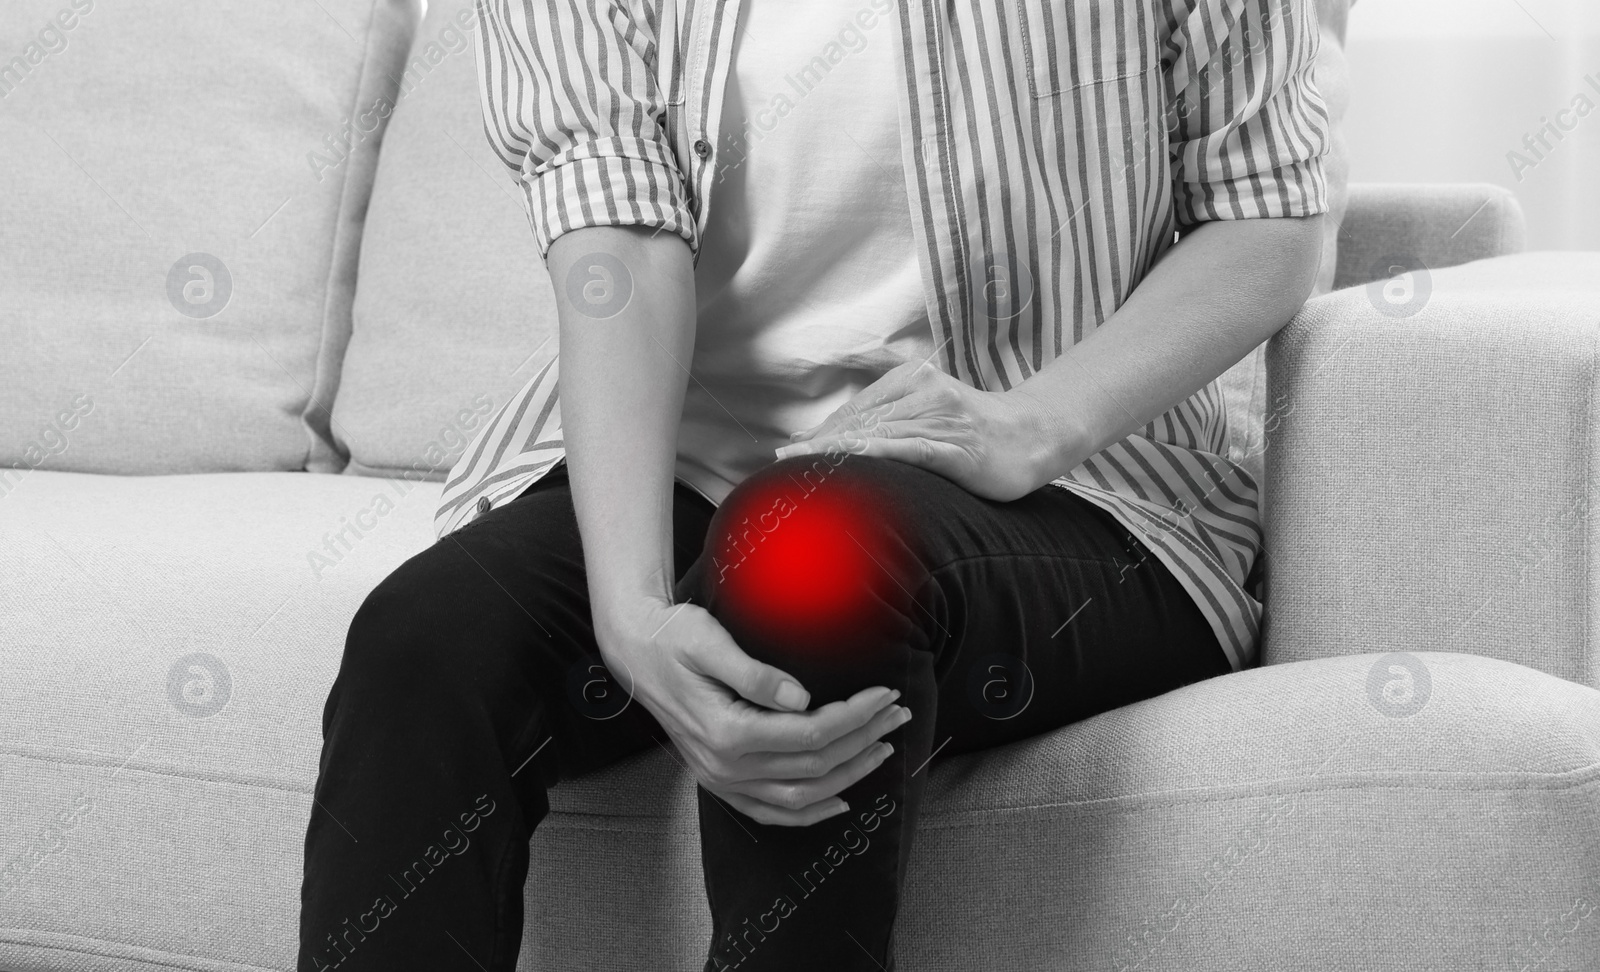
[742, 725]
[993, 444]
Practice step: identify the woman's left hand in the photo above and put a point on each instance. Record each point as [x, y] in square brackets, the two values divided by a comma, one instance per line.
[993, 444]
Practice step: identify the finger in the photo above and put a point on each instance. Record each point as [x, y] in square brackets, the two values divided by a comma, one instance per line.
[908, 442]
[917, 406]
[820, 762]
[908, 417]
[887, 390]
[783, 732]
[891, 386]
[720, 658]
[777, 816]
[799, 794]
[804, 433]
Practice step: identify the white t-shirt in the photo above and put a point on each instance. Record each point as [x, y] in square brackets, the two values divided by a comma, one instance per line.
[808, 285]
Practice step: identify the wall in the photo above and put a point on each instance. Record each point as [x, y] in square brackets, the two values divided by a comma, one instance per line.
[1443, 90]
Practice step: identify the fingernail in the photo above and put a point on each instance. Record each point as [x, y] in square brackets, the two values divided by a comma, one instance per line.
[885, 750]
[791, 696]
[906, 717]
[894, 694]
[844, 807]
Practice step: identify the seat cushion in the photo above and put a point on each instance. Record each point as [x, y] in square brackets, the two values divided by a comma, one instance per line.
[183, 195]
[169, 642]
[1295, 816]
[452, 299]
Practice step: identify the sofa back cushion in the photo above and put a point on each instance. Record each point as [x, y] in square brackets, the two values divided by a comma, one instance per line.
[453, 299]
[182, 198]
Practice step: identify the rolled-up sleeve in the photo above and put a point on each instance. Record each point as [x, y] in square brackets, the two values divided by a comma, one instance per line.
[571, 105]
[1248, 129]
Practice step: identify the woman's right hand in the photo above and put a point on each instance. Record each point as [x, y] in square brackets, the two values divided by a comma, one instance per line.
[742, 725]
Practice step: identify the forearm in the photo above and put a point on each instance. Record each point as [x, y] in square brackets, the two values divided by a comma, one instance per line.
[1223, 289]
[622, 390]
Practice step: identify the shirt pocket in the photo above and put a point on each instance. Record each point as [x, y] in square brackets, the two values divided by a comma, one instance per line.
[1069, 45]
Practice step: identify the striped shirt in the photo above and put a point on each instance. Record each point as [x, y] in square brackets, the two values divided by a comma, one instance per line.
[1052, 150]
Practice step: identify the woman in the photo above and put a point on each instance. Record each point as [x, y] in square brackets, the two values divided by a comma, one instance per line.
[888, 431]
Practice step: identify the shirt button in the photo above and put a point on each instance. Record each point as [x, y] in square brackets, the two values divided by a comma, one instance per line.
[702, 148]
[483, 505]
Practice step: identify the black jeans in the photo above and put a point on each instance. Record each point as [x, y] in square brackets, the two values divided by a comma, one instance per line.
[471, 683]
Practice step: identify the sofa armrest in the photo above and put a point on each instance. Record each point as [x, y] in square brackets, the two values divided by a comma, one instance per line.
[1429, 478]
[1433, 226]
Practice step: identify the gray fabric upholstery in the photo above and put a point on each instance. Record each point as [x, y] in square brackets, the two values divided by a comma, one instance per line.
[1431, 476]
[1388, 226]
[449, 276]
[1269, 819]
[235, 137]
[191, 855]
[1539, 272]
[1285, 817]
[1433, 226]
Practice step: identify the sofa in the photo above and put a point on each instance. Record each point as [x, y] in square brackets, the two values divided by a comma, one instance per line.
[256, 295]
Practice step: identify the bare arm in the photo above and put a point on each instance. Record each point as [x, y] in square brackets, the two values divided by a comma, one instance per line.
[1223, 289]
[1333, 81]
[621, 398]
[625, 299]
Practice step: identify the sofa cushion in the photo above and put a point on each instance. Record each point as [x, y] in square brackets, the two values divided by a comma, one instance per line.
[452, 298]
[182, 212]
[171, 640]
[1390, 224]
[1318, 815]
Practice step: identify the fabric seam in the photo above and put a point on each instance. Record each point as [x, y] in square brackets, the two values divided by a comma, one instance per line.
[324, 352]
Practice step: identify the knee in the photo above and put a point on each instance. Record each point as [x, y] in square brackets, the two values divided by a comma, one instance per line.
[814, 553]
